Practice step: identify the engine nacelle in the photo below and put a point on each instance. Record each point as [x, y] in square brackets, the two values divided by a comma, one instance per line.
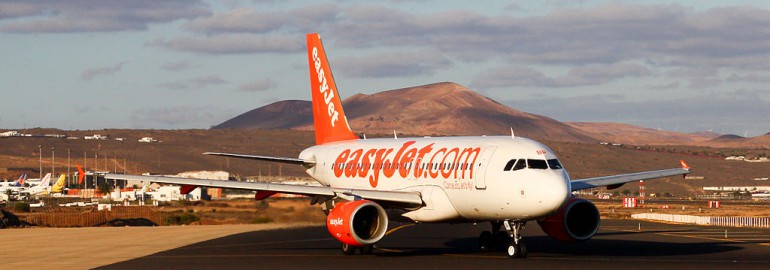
[578, 220]
[357, 223]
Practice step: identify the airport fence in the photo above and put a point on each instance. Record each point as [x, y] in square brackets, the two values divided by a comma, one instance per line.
[755, 222]
[117, 216]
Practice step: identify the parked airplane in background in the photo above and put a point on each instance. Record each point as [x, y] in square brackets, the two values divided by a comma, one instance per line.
[41, 188]
[58, 187]
[504, 180]
[36, 188]
[18, 183]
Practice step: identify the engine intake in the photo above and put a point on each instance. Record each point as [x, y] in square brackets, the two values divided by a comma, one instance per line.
[357, 223]
[578, 220]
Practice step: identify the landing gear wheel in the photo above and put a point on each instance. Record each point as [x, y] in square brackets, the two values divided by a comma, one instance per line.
[348, 249]
[513, 251]
[516, 251]
[367, 250]
[485, 241]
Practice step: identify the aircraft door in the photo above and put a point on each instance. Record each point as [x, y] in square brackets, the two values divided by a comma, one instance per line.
[481, 167]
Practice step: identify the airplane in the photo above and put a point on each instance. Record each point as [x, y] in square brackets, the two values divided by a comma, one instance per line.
[58, 187]
[41, 188]
[504, 180]
[18, 183]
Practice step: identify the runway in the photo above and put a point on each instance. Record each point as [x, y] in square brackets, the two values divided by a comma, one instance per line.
[619, 244]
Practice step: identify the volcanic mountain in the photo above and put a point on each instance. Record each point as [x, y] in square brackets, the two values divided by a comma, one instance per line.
[284, 114]
[434, 109]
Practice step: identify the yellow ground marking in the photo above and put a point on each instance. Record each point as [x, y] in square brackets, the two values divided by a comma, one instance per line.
[398, 228]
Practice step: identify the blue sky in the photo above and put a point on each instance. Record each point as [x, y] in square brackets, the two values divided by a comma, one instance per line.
[677, 65]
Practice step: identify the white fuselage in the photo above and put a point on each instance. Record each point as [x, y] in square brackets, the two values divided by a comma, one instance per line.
[459, 178]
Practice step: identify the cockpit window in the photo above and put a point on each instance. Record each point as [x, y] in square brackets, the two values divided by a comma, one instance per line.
[539, 164]
[520, 165]
[509, 165]
[554, 164]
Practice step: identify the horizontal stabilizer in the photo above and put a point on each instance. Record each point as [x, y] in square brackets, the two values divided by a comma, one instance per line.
[265, 158]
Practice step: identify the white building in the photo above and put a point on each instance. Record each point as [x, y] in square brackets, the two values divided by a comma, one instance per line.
[11, 133]
[173, 193]
[95, 137]
[147, 139]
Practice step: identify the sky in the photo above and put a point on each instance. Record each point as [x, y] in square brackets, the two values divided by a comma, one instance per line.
[682, 66]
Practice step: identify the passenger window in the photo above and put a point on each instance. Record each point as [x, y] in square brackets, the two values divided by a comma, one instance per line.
[539, 164]
[520, 165]
[509, 165]
[554, 164]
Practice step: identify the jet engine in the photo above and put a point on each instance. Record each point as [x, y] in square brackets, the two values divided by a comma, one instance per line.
[357, 223]
[578, 220]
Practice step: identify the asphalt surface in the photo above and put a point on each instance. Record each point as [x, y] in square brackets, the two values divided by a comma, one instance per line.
[618, 245]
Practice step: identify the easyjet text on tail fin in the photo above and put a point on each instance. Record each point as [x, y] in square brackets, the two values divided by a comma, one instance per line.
[328, 117]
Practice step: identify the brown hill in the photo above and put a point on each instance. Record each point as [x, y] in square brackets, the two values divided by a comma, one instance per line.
[434, 109]
[735, 141]
[279, 115]
[635, 135]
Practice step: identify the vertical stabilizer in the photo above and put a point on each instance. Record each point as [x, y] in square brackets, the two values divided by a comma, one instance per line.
[46, 181]
[58, 187]
[328, 117]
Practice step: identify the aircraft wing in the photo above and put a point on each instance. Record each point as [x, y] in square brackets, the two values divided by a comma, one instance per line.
[620, 179]
[410, 198]
[265, 158]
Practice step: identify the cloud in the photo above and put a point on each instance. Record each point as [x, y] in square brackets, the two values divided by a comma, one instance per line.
[232, 44]
[671, 85]
[194, 83]
[726, 113]
[577, 76]
[248, 20]
[182, 116]
[392, 64]
[93, 16]
[261, 85]
[177, 66]
[247, 30]
[89, 74]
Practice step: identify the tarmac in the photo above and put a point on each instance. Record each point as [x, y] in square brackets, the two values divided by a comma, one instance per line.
[87, 248]
[620, 244]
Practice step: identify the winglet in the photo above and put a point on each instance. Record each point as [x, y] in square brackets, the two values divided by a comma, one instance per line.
[328, 117]
[684, 166]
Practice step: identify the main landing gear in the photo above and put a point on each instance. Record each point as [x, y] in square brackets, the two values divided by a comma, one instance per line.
[351, 250]
[508, 240]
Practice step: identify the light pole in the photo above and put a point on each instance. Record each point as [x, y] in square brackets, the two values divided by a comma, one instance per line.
[40, 155]
[53, 166]
[69, 176]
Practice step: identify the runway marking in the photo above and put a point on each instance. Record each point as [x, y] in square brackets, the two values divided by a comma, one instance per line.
[392, 231]
[706, 234]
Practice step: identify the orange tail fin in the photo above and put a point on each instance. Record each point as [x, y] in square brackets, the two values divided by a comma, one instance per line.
[329, 119]
[81, 175]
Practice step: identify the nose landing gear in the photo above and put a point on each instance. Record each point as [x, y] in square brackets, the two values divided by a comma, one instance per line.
[509, 240]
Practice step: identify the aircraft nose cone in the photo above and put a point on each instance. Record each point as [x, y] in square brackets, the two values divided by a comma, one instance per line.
[555, 195]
